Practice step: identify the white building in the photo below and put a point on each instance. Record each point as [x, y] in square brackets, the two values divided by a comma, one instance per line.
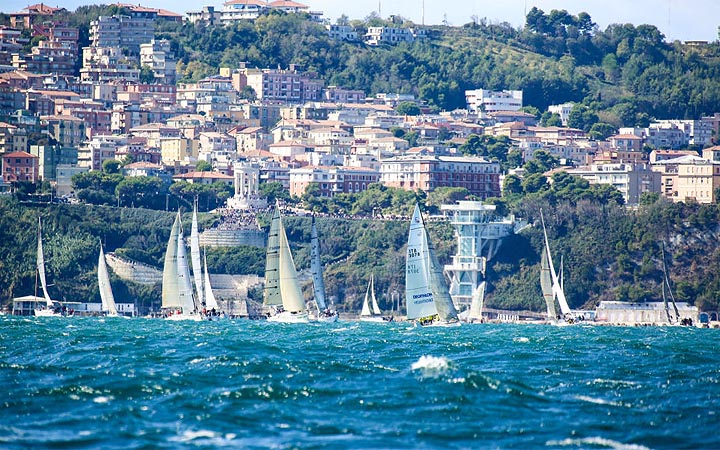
[562, 110]
[487, 101]
[342, 32]
[158, 57]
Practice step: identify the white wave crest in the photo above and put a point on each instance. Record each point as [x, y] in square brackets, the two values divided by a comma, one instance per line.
[432, 365]
[595, 441]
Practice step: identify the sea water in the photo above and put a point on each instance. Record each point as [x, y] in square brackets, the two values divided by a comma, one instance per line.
[143, 383]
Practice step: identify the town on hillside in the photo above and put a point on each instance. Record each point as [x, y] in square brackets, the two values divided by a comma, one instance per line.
[66, 110]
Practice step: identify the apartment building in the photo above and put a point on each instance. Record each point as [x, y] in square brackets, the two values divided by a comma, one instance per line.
[160, 59]
[487, 101]
[125, 32]
[290, 86]
[332, 180]
[20, 166]
[428, 172]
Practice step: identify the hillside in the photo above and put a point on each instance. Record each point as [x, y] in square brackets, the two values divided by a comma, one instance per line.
[609, 252]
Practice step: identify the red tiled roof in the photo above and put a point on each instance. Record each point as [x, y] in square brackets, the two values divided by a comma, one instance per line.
[19, 155]
[287, 4]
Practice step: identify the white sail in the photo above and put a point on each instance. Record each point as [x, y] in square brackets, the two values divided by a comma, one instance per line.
[478, 300]
[106, 294]
[418, 294]
[271, 292]
[195, 258]
[170, 286]
[546, 285]
[370, 306]
[41, 267]
[210, 301]
[316, 268]
[185, 291]
[556, 286]
[426, 292]
[290, 292]
[373, 299]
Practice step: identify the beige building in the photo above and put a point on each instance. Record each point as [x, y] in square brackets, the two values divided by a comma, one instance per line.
[632, 180]
[689, 178]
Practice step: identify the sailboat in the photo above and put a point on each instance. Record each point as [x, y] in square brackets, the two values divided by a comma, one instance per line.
[370, 309]
[474, 315]
[177, 296]
[282, 294]
[211, 303]
[426, 293]
[106, 295]
[48, 309]
[555, 290]
[324, 313]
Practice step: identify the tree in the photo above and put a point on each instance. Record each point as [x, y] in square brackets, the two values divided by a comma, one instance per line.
[111, 166]
[272, 191]
[601, 131]
[408, 109]
[147, 75]
[512, 185]
[203, 166]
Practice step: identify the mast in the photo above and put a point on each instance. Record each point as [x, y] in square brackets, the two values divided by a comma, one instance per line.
[316, 268]
[441, 294]
[195, 258]
[666, 282]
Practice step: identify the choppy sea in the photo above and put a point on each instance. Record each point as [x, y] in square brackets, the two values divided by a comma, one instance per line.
[142, 383]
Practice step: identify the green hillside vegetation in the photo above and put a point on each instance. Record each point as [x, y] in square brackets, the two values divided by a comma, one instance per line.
[624, 74]
[609, 252]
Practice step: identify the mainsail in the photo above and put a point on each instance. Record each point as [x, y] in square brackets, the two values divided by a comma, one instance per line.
[41, 267]
[316, 268]
[546, 285]
[170, 284]
[106, 294]
[271, 292]
[185, 292]
[195, 258]
[426, 293]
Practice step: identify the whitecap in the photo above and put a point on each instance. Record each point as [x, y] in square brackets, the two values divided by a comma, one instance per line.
[102, 399]
[337, 330]
[431, 366]
[521, 339]
[595, 441]
[189, 435]
[597, 401]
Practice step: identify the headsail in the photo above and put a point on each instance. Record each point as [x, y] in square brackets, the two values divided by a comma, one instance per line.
[290, 292]
[210, 301]
[106, 294]
[370, 306]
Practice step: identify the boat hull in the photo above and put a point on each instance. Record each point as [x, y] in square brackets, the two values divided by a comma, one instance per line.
[288, 317]
[46, 313]
[177, 317]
